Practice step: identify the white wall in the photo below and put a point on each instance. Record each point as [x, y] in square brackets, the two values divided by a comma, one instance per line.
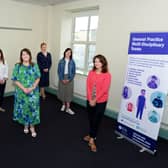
[117, 19]
[13, 14]
[125, 17]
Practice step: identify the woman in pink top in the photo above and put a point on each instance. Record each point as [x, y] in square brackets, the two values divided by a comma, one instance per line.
[98, 84]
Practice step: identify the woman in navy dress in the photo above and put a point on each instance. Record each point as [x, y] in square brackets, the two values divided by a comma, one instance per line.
[44, 62]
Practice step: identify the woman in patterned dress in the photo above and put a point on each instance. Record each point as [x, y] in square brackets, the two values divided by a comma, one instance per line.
[26, 76]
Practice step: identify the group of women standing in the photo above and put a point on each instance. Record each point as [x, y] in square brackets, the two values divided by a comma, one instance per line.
[28, 77]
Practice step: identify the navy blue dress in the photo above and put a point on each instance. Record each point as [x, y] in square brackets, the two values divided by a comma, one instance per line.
[43, 63]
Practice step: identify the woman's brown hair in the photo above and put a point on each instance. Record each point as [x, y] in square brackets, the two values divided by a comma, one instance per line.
[104, 62]
[2, 57]
[29, 53]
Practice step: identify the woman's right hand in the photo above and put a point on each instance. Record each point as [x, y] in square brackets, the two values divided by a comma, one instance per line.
[25, 90]
[92, 102]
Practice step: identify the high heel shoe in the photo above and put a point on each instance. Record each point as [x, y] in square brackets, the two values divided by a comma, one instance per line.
[86, 138]
[92, 145]
[33, 132]
[26, 130]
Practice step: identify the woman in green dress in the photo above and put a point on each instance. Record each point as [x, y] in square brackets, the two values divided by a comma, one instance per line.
[26, 76]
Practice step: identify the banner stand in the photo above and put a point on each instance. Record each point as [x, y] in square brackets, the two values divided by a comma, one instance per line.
[120, 136]
[143, 149]
[145, 90]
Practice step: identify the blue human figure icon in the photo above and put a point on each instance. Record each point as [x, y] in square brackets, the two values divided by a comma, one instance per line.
[141, 104]
[125, 92]
[153, 82]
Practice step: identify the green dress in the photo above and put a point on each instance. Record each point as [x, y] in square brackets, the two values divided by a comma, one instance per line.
[26, 106]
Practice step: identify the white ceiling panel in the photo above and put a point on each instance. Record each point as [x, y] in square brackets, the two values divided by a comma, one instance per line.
[45, 2]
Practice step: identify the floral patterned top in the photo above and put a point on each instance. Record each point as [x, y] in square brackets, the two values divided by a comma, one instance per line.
[26, 106]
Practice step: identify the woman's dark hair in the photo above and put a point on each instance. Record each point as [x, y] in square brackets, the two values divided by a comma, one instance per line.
[2, 57]
[103, 60]
[29, 53]
[66, 50]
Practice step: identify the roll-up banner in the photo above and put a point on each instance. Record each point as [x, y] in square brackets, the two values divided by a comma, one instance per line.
[145, 89]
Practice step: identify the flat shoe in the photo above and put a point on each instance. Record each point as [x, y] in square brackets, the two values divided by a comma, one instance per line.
[33, 132]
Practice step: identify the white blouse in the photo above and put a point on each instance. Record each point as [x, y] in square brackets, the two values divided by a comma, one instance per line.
[66, 66]
[3, 71]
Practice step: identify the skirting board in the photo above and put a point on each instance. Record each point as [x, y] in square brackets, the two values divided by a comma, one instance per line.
[163, 133]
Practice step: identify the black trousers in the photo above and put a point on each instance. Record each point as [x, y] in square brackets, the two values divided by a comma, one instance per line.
[95, 115]
[2, 90]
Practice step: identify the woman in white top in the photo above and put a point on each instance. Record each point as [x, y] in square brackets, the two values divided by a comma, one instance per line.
[3, 78]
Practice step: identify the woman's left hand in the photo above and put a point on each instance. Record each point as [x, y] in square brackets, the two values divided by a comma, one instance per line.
[45, 70]
[29, 90]
[65, 81]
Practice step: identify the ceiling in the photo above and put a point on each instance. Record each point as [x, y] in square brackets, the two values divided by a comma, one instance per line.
[45, 2]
